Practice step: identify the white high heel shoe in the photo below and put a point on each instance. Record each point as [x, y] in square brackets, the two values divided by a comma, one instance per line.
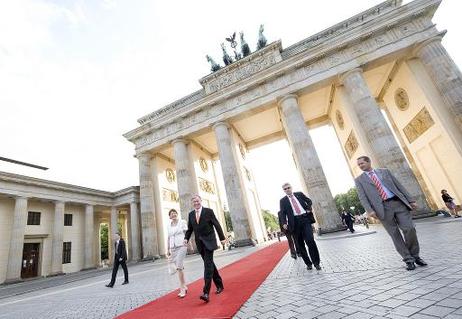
[183, 292]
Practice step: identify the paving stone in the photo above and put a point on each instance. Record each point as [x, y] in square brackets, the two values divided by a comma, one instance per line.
[438, 311]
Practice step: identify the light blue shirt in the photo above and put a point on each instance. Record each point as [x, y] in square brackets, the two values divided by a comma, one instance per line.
[389, 193]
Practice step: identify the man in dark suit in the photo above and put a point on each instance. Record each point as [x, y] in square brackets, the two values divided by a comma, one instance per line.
[383, 197]
[120, 258]
[348, 219]
[293, 244]
[202, 221]
[297, 218]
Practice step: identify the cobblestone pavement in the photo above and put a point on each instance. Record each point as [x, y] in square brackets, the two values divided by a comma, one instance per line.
[363, 277]
[83, 295]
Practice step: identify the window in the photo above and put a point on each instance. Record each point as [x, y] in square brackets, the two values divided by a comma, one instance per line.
[67, 219]
[67, 252]
[33, 218]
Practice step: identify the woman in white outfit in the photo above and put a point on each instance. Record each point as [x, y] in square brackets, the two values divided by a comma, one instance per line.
[176, 249]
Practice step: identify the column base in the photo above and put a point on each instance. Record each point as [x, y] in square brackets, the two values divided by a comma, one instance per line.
[59, 273]
[12, 281]
[423, 214]
[150, 258]
[244, 242]
[88, 268]
[327, 230]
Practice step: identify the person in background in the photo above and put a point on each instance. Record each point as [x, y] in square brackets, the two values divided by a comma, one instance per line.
[449, 201]
[120, 258]
[348, 219]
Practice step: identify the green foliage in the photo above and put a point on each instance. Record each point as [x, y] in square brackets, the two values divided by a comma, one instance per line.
[104, 241]
[229, 223]
[349, 199]
[271, 221]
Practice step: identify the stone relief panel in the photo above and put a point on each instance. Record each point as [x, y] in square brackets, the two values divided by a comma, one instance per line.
[351, 144]
[170, 175]
[339, 119]
[169, 195]
[204, 165]
[418, 125]
[206, 186]
[401, 99]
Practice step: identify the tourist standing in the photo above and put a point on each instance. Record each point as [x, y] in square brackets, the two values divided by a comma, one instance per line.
[202, 222]
[120, 258]
[383, 197]
[297, 218]
[176, 248]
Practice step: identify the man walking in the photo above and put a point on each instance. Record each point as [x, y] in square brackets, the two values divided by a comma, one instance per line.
[202, 221]
[120, 258]
[293, 244]
[297, 218]
[348, 220]
[383, 197]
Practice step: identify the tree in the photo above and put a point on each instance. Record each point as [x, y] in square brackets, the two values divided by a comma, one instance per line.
[347, 200]
[229, 223]
[271, 221]
[104, 241]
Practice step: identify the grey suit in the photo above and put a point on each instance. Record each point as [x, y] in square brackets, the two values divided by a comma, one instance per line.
[394, 214]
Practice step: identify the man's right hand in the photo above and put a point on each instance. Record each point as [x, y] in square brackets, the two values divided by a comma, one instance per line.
[372, 214]
[185, 242]
[284, 226]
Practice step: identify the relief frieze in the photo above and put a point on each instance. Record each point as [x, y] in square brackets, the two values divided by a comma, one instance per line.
[418, 125]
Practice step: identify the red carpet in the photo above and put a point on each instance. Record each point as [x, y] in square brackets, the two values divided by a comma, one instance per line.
[240, 278]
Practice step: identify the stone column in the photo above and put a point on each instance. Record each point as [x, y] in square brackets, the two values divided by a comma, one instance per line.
[13, 270]
[185, 174]
[113, 230]
[232, 176]
[309, 165]
[148, 219]
[379, 136]
[89, 261]
[57, 242]
[135, 231]
[445, 74]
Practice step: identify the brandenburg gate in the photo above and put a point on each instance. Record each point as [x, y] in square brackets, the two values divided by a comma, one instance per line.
[382, 79]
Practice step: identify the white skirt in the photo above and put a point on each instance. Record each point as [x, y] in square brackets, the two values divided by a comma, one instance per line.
[178, 256]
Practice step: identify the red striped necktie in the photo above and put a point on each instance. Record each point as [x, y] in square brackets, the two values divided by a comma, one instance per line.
[298, 211]
[378, 185]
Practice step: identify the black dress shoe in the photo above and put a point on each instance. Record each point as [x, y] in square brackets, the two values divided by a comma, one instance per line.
[294, 256]
[410, 265]
[419, 261]
[317, 267]
[204, 297]
[125, 283]
[309, 267]
[110, 286]
[219, 290]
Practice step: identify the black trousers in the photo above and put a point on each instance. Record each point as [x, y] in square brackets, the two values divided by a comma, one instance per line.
[350, 226]
[304, 233]
[115, 268]
[210, 270]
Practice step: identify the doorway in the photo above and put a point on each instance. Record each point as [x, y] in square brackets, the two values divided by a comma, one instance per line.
[30, 260]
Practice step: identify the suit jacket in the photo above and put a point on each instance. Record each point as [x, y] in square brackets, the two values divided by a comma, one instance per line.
[369, 196]
[287, 213]
[347, 218]
[121, 251]
[204, 231]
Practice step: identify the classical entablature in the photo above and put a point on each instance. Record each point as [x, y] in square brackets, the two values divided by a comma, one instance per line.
[374, 37]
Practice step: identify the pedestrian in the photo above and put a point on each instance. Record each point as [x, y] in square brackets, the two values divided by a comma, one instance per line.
[297, 217]
[383, 197]
[202, 222]
[347, 219]
[120, 258]
[176, 248]
[449, 201]
[293, 244]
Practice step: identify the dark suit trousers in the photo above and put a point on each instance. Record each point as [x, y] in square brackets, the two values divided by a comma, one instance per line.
[210, 270]
[115, 268]
[304, 233]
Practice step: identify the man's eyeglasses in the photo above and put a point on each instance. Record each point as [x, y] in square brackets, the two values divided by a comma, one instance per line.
[286, 188]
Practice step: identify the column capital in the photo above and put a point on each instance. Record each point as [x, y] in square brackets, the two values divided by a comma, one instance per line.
[180, 140]
[343, 76]
[418, 47]
[226, 124]
[144, 155]
[285, 97]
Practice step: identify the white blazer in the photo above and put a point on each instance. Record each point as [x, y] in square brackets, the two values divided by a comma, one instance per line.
[176, 234]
